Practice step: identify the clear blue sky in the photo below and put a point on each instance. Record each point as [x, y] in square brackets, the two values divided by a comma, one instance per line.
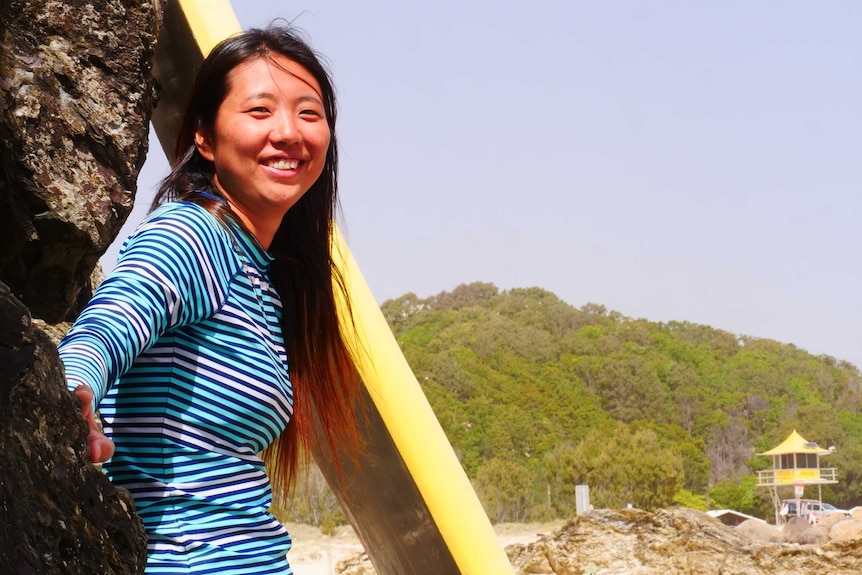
[696, 161]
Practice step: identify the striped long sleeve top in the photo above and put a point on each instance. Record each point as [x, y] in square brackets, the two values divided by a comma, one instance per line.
[182, 346]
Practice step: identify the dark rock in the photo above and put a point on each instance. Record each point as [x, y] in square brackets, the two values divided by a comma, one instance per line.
[58, 513]
[75, 104]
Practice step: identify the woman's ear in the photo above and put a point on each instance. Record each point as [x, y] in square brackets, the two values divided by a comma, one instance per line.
[202, 143]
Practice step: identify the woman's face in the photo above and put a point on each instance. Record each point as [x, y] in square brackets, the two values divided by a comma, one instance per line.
[269, 141]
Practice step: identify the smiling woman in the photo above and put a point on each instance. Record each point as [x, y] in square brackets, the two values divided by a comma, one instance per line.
[216, 336]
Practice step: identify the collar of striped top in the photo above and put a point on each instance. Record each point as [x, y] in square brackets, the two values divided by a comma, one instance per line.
[250, 247]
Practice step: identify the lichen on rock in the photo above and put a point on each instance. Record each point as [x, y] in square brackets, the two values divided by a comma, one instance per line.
[75, 104]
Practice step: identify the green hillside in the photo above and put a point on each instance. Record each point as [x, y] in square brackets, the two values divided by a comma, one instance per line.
[537, 396]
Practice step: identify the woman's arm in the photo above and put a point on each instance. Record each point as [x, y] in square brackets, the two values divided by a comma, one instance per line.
[175, 270]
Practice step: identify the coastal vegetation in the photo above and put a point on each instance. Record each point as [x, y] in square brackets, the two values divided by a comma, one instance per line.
[537, 396]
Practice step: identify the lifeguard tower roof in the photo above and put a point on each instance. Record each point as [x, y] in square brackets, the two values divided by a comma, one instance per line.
[795, 443]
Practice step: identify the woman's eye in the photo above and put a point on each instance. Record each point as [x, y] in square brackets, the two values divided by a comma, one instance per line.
[310, 114]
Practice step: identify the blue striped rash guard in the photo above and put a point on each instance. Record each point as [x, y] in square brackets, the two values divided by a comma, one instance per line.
[183, 348]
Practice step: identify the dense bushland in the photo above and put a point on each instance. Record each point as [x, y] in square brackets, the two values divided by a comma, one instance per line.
[537, 396]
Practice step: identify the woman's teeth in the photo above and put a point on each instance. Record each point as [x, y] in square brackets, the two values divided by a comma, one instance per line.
[284, 164]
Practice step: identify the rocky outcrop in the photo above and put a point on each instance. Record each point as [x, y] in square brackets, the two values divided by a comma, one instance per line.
[760, 531]
[793, 529]
[836, 527]
[75, 104]
[673, 542]
[59, 514]
[676, 542]
[846, 530]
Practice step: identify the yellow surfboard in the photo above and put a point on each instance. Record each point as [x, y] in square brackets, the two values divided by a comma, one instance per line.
[409, 500]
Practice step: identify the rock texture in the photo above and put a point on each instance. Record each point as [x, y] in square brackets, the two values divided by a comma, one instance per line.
[760, 531]
[75, 104]
[357, 565]
[847, 530]
[676, 542]
[58, 514]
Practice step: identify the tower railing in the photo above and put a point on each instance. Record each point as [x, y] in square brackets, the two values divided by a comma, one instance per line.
[769, 477]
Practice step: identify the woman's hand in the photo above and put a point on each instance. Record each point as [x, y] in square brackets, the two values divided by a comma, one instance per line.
[101, 448]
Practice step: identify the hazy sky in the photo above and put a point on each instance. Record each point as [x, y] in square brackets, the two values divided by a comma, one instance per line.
[696, 161]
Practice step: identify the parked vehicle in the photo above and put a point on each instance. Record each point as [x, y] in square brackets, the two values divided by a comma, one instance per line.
[810, 509]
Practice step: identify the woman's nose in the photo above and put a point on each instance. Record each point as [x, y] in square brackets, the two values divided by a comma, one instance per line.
[285, 129]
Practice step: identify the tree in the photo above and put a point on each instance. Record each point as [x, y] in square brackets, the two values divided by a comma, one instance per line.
[728, 449]
[818, 423]
[847, 461]
[506, 490]
[398, 311]
[620, 467]
[465, 295]
[562, 474]
[695, 463]
[632, 390]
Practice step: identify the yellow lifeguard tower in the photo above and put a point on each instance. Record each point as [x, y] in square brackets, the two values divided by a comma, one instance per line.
[795, 462]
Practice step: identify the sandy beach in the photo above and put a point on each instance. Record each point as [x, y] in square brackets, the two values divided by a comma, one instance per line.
[314, 553]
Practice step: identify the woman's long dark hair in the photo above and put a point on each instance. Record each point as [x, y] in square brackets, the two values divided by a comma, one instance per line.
[321, 362]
